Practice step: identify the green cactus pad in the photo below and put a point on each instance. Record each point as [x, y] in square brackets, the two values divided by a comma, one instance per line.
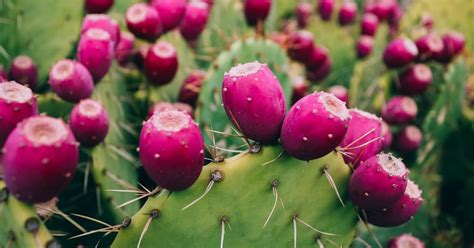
[245, 197]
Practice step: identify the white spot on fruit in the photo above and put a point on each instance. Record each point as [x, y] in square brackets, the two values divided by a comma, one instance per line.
[14, 92]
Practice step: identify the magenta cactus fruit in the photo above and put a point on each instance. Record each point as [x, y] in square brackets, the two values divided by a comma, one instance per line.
[399, 110]
[161, 63]
[318, 57]
[300, 89]
[364, 46]
[194, 20]
[400, 212]
[395, 16]
[317, 74]
[416, 79]
[139, 56]
[347, 13]
[104, 22]
[453, 44]
[184, 107]
[98, 6]
[162, 106]
[304, 140]
[325, 9]
[381, 8]
[124, 49]
[399, 52]
[426, 20]
[254, 101]
[300, 46]
[143, 21]
[170, 11]
[408, 139]
[39, 159]
[256, 10]
[363, 139]
[189, 92]
[303, 14]
[369, 24]
[378, 182]
[96, 52]
[429, 46]
[405, 241]
[89, 122]
[71, 81]
[17, 103]
[387, 135]
[24, 71]
[172, 149]
[340, 92]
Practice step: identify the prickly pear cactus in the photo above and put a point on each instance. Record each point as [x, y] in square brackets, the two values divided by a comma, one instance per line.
[254, 200]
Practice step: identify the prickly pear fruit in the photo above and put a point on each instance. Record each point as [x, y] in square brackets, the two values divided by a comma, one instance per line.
[170, 11]
[318, 56]
[340, 92]
[98, 6]
[254, 101]
[429, 46]
[96, 52]
[453, 44]
[386, 135]
[143, 21]
[256, 10]
[364, 46]
[369, 24]
[162, 106]
[301, 46]
[379, 182]
[124, 49]
[304, 140]
[189, 92]
[399, 110]
[194, 20]
[172, 149]
[399, 52]
[381, 8]
[405, 241]
[89, 122]
[408, 139]
[325, 9]
[23, 70]
[71, 81]
[347, 13]
[104, 22]
[161, 63]
[303, 14]
[39, 159]
[320, 73]
[300, 89]
[416, 79]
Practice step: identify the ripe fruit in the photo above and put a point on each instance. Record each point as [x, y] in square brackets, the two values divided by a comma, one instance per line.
[399, 110]
[399, 52]
[319, 73]
[194, 20]
[369, 24]
[300, 89]
[24, 71]
[303, 14]
[405, 241]
[426, 20]
[172, 149]
[162, 106]
[254, 101]
[416, 79]
[256, 10]
[408, 139]
[453, 44]
[96, 51]
[381, 8]
[71, 81]
[17, 103]
[386, 135]
[189, 92]
[89, 122]
[304, 140]
[124, 49]
[340, 92]
[325, 8]
[429, 46]
[98, 6]
[347, 13]
[161, 63]
[300, 46]
[104, 22]
[143, 21]
[363, 139]
[378, 182]
[39, 159]
[318, 56]
[170, 11]
[364, 46]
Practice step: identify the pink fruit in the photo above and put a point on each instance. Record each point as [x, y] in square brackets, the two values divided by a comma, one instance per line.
[300, 89]
[161, 63]
[162, 106]
[172, 149]
[256, 10]
[369, 24]
[318, 56]
[303, 14]
[184, 107]
[378, 182]
[300, 46]
[426, 20]
[395, 16]
[124, 49]
[363, 139]
[386, 135]
[194, 20]
[429, 46]
[304, 140]
[382, 8]
[71, 81]
[405, 241]
[96, 51]
[347, 13]
[24, 71]
[399, 110]
[364, 46]
[416, 79]
[170, 11]
[399, 52]
[325, 8]
[17, 103]
[340, 92]
[453, 45]
[319, 73]
[104, 22]
[408, 139]
[189, 92]
[89, 122]
[144, 21]
[98, 6]
[399, 213]
[140, 55]
[254, 101]
[39, 159]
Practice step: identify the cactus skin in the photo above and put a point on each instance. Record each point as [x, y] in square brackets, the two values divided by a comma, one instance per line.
[89, 122]
[103, 22]
[95, 51]
[24, 71]
[246, 180]
[30, 159]
[194, 20]
[71, 81]
[171, 12]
